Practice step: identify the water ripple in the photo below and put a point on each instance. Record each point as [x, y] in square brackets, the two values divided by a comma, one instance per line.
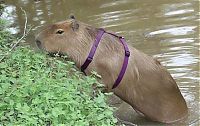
[185, 30]
[177, 12]
[115, 3]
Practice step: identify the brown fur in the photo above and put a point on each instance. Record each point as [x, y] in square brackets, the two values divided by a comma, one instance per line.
[146, 85]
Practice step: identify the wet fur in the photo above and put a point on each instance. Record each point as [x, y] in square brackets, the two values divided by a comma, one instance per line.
[146, 85]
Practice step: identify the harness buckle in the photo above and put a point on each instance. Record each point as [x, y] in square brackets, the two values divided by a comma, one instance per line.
[121, 37]
[127, 53]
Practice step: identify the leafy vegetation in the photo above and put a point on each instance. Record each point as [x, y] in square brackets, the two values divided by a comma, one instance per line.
[39, 90]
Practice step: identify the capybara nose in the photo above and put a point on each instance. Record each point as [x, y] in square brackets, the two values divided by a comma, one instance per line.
[38, 43]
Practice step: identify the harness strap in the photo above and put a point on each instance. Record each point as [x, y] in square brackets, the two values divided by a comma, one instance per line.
[125, 63]
[93, 50]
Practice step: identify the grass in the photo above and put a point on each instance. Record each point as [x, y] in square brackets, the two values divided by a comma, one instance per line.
[36, 89]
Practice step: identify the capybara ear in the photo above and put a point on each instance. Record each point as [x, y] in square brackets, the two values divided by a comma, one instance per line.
[74, 25]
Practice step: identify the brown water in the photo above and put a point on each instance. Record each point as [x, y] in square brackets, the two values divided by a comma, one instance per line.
[166, 29]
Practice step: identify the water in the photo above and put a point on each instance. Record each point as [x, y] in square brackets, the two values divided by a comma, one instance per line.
[165, 29]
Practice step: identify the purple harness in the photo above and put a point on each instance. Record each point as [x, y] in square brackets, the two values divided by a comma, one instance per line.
[93, 50]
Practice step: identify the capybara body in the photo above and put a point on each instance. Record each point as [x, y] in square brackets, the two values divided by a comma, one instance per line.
[146, 86]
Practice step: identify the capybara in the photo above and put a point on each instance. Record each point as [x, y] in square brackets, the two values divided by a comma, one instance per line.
[147, 86]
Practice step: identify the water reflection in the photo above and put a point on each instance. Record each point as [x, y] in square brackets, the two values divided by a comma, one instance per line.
[185, 30]
[166, 29]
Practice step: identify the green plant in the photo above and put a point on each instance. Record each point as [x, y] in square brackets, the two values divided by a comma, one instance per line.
[36, 89]
[5, 38]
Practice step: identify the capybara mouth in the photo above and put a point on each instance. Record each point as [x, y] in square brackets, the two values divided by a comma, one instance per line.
[55, 54]
[52, 54]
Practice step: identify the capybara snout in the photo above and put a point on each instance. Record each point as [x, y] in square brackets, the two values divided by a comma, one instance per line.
[146, 85]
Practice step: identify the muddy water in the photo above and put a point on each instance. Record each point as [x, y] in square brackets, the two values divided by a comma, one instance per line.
[165, 29]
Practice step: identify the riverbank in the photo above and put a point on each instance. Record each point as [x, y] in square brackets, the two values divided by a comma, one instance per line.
[36, 89]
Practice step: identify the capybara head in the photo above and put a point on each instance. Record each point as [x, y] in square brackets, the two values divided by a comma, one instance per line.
[63, 36]
[48, 38]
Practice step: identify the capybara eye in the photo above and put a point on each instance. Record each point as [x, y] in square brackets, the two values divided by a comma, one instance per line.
[72, 17]
[60, 31]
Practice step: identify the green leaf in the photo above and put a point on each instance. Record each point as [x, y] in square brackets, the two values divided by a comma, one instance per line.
[3, 65]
